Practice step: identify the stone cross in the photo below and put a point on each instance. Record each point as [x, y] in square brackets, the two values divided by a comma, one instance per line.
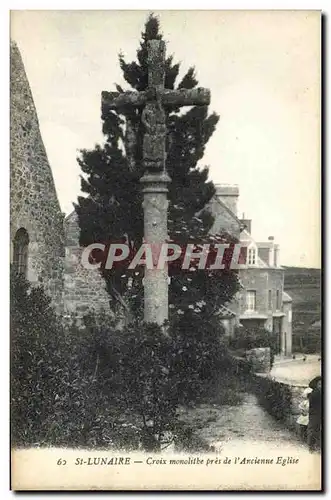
[154, 102]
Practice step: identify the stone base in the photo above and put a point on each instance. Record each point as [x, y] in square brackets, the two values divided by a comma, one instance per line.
[260, 359]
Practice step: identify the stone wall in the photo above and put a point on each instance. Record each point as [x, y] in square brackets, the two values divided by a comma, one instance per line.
[281, 400]
[34, 204]
[84, 289]
[287, 328]
[259, 359]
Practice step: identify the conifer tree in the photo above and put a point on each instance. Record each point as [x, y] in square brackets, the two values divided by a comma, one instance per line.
[112, 210]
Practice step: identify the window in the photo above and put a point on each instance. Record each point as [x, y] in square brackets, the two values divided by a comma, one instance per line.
[278, 300]
[21, 244]
[270, 300]
[250, 300]
[290, 316]
[251, 256]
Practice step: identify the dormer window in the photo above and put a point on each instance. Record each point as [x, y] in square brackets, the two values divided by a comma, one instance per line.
[251, 256]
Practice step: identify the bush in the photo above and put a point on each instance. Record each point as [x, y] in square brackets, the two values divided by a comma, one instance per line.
[85, 387]
[55, 398]
[97, 386]
[158, 372]
[200, 352]
[148, 381]
[275, 397]
[36, 350]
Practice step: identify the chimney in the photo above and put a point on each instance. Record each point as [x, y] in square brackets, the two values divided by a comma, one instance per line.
[228, 194]
[276, 256]
[247, 223]
[271, 251]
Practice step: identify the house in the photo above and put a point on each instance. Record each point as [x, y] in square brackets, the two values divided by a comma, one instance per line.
[262, 301]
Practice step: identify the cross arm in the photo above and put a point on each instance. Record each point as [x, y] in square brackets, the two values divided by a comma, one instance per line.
[186, 97]
[115, 100]
[182, 97]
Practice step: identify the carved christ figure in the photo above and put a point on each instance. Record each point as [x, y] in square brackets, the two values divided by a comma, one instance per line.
[154, 120]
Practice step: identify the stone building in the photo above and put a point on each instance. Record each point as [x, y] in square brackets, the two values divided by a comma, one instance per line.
[83, 289]
[36, 221]
[44, 244]
[262, 301]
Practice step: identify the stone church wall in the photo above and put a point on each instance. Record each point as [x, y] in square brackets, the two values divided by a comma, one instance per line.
[53, 257]
[34, 204]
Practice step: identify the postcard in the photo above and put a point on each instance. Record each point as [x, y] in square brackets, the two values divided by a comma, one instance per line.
[165, 301]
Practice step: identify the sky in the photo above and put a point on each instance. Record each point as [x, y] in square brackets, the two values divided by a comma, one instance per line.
[263, 70]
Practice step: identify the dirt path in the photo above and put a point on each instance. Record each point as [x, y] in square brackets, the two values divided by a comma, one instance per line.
[244, 422]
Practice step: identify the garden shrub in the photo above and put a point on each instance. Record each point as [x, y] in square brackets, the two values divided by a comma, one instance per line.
[36, 367]
[55, 398]
[275, 397]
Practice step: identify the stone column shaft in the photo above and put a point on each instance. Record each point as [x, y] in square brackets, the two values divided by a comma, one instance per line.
[155, 205]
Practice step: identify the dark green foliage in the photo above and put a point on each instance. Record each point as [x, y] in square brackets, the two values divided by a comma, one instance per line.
[149, 381]
[35, 359]
[274, 396]
[98, 387]
[86, 387]
[112, 210]
[56, 397]
[157, 372]
[200, 353]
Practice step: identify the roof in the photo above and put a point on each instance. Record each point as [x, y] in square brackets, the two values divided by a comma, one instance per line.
[225, 312]
[72, 215]
[246, 237]
[286, 297]
[223, 205]
[317, 325]
[278, 314]
[253, 315]
[261, 263]
[261, 244]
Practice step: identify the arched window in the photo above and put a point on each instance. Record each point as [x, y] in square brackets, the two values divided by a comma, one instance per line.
[21, 245]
